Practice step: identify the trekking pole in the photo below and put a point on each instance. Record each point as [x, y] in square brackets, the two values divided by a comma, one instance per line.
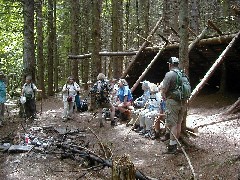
[41, 102]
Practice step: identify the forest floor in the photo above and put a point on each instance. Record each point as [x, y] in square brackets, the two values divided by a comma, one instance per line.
[214, 154]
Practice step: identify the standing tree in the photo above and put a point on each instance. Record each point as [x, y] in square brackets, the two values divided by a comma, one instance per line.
[40, 58]
[50, 47]
[117, 39]
[28, 46]
[96, 66]
[85, 41]
[183, 45]
[75, 11]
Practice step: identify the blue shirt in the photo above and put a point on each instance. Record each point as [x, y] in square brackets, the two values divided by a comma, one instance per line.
[3, 91]
[124, 91]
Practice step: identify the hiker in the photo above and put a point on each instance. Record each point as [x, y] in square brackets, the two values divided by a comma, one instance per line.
[174, 106]
[29, 90]
[2, 97]
[124, 99]
[151, 111]
[140, 103]
[69, 91]
[161, 117]
[101, 95]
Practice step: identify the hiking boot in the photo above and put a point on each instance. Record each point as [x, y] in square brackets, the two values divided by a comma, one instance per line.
[166, 137]
[135, 127]
[138, 129]
[155, 135]
[171, 149]
[147, 134]
[113, 123]
[142, 132]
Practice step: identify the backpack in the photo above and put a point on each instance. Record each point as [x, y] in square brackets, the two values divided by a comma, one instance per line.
[101, 90]
[183, 87]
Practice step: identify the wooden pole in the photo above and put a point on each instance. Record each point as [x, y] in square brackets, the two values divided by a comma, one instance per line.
[196, 41]
[148, 67]
[141, 49]
[212, 69]
[127, 53]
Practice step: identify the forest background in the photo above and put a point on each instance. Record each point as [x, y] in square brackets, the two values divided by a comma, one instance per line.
[38, 36]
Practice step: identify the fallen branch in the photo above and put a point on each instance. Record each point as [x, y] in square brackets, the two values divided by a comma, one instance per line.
[184, 152]
[105, 162]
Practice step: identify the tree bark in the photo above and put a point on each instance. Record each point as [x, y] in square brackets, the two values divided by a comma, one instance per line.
[75, 13]
[50, 48]
[28, 44]
[123, 169]
[40, 59]
[117, 37]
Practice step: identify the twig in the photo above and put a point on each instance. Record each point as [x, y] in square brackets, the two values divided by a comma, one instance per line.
[101, 144]
[184, 152]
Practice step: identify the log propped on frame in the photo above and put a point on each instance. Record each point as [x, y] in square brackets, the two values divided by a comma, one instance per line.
[213, 68]
[215, 40]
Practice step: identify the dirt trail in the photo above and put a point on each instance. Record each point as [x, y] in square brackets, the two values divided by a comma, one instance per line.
[215, 153]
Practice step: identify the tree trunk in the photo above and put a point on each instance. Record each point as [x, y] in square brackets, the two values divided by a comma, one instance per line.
[75, 12]
[117, 36]
[144, 19]
[40, 58]
[28, 44]
[50, 48]
[85, 45]
[183, 45]
[123, 169]
[194, 24]
[96, 66]
[55, 48]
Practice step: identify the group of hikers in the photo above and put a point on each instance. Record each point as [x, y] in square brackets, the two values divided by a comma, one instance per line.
[159, 104]
[159, 111]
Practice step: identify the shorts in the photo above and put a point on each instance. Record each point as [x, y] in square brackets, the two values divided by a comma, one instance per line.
[174, 112]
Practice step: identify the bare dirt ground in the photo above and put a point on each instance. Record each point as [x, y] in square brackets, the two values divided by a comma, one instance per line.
[214, 154]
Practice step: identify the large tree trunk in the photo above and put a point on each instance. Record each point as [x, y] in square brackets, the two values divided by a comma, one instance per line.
[28, 34]
[85, 42]
[50, 48]
[144, 19]
[75, 13]
[194, 11]
[96, 66]
[183, 45]
[40, 58]
[117, 36]
[55, 48]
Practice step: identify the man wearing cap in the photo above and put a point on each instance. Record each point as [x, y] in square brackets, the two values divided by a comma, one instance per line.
[2, 97]
[174, 108]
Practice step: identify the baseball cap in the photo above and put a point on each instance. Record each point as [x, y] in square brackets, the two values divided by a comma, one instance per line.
[173, 60]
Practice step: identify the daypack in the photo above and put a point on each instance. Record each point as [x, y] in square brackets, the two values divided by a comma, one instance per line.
[101, 90]
[183, 87]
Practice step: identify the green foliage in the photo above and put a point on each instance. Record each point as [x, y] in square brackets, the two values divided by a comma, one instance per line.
[11, 38]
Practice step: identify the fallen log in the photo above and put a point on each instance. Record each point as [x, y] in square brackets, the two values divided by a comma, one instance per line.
[83, 56]
[92, 158]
